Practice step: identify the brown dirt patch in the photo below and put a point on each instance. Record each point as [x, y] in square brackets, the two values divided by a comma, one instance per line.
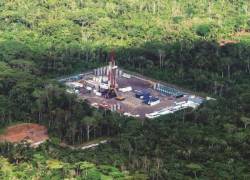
[242, 33]
[32, 133]
[224, 42]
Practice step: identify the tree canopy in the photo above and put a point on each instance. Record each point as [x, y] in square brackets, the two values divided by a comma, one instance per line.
[200, 45]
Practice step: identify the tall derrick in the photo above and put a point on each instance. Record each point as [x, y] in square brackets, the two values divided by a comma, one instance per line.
[112, 84]
[112, 72]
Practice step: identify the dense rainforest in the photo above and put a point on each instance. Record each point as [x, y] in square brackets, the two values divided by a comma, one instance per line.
[200, 45]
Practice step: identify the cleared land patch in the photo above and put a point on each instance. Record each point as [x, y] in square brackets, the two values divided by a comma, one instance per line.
[141, 97]
[35, 134]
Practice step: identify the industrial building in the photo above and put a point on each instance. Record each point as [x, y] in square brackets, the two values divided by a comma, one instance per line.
[115, 89]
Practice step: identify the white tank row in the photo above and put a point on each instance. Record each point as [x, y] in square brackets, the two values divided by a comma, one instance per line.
[100, 79]
[103, 71]
[115, 107]
[159, 87]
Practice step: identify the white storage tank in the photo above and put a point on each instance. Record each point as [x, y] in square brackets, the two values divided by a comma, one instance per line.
[104, 79]
[104, 86]
[126, 75]
[126, 89]
[98, 93]
[89, 88]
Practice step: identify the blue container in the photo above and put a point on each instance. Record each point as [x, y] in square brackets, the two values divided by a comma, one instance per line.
[145, 96]
[142, 94]
[150, 99]
[138, 95]
[146, 99]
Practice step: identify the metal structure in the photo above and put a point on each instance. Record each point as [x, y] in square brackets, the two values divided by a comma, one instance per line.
[112, 68]
[112, 83]
[169, 91]
[111, 88]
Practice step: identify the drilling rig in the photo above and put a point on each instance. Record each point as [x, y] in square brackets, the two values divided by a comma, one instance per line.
[112, 83]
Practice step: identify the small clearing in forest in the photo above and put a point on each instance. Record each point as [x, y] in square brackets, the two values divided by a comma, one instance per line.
[34, 134]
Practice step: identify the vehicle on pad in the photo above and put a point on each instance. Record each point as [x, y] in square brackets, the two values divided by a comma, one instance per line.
[120, 98]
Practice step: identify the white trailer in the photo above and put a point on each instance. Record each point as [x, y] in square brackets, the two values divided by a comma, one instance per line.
[126, 89]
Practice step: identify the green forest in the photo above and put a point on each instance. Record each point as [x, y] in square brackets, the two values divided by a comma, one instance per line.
[199, 45]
